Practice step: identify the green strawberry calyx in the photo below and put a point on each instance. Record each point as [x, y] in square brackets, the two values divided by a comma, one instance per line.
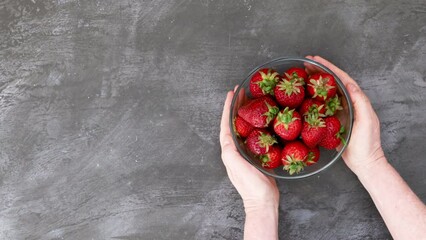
[264, 159]
[290, 86]
[295, 78]
[293, 165]
[234, 127]
[269, 81]
[266, 140]
[314, 120]
[320, 86]
[310, 158]
[340, 133]
[271, 113]
[285, 117]
[332, 105]
[315, 109]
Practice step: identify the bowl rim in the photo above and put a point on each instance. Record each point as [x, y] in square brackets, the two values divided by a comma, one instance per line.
[342, 88]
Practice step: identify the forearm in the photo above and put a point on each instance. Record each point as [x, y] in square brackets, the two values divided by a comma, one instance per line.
[403, 212]
[261, 223]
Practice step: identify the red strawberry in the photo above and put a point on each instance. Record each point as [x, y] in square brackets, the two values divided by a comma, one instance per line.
[313, 156]
[259, 112]
[313, 130]
[271, 159]
[297, 74]
[259, 141]
[241, 127]
[322, 86]
[332, 105]
[288, 124]
[333, 136]
[312, 106]
[293, 156]
[262, 83]
[289, 93]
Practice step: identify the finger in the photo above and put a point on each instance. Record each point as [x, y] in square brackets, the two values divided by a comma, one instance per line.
[346, 79]
[310, 68]
[242, 97]
[235, 163]
[224, 125]
[361, 104]
[230, 156]
[339, 147]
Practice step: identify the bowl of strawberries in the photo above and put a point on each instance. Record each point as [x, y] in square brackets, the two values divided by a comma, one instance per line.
[291, 118]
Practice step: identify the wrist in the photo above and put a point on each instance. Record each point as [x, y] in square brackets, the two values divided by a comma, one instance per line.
[254, 205]
[371, 168]
[267, 212]
[260, 206]
[261, 221]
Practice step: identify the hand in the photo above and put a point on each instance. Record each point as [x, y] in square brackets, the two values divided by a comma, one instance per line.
[364, 149]
[257, 190]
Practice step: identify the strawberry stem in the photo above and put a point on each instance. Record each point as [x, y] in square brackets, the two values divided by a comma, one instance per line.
[320, 86]
[269, 81]
[332, 105]
[340, 133]
[264, 159]
[293, 165]
[266, 140]
[271, 113]
[285, 117]
[290, 86]
[295, 78]
[313, 119]
[311, 157]
[234, 127]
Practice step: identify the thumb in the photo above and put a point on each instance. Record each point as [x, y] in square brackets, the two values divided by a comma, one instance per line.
[359, 100]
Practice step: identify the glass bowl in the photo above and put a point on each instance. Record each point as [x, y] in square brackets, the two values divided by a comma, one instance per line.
[327, 157]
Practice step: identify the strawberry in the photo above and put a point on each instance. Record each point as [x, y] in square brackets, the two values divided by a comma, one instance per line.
[259, 112]
[313, 130]
[312, 106]
[322, 86]
[259, 141]
[293, 156]
[241, 127]
[313, 156]
[334, 132]
[297, 74]
[271, 159]
[288, 124]
[332, 105]
[262, 83]
[289, 93]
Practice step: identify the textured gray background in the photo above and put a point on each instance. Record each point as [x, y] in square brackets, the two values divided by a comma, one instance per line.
[109, 113]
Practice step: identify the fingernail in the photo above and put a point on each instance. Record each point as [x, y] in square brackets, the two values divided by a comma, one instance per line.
[352, 87]
[236, 87]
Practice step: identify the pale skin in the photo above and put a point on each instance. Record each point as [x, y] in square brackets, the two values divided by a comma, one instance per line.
[402, 211]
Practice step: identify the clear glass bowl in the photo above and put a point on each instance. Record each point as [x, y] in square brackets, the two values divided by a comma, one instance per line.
[327, 157]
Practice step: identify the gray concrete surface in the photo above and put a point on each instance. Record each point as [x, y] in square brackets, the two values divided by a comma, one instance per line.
[109, 113]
